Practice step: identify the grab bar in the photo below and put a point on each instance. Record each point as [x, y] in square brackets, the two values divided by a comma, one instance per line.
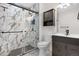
[13, 32]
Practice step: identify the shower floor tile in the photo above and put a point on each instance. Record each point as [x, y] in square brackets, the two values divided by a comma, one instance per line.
[33, 53]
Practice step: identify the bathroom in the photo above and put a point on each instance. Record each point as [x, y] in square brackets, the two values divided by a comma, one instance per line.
[63, 36]
[24, 31]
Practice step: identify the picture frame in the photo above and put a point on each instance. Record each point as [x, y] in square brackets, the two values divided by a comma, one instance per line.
[49, 18]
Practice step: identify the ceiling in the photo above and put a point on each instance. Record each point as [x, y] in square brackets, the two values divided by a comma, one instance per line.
[26, 5]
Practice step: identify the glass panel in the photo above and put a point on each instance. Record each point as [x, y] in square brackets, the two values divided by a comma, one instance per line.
[21, 27]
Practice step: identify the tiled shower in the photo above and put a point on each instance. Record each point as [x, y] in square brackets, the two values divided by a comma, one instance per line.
[19, 30]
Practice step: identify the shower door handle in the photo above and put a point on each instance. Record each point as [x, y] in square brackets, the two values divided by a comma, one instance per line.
[13, 32]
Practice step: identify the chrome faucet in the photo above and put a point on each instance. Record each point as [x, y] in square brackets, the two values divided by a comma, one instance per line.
[66, 29]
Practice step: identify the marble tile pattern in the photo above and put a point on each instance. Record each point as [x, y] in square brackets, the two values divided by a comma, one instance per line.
[17, 19]
[33, 53]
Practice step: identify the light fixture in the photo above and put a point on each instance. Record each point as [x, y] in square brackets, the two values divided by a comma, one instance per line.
[63, 5]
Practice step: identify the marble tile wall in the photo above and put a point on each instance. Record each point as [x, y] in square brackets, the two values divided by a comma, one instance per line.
[17, 19]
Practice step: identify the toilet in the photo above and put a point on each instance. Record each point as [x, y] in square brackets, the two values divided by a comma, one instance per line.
[43, 48]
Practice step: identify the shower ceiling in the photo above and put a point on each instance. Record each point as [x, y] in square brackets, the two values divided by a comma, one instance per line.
[33, 7]
[26, 5]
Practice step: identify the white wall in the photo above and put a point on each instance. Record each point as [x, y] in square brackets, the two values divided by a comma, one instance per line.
[46, 30]
[68, 17]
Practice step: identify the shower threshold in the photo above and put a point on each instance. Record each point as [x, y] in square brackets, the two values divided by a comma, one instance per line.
[22, 51]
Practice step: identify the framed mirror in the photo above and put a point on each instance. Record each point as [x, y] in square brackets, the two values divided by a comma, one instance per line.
[49, 18]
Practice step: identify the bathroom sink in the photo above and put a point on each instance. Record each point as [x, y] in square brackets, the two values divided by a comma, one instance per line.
[74, 35]
[59, 34]
[70, 35]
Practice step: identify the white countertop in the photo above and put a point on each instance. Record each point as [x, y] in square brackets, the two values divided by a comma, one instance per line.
[70, 35]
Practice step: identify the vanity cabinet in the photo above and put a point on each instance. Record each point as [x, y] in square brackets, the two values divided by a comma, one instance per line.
[59, 49]
[73, 50]
[65, 46]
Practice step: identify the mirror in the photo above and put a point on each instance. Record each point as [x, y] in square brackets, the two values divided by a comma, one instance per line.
[49, 18]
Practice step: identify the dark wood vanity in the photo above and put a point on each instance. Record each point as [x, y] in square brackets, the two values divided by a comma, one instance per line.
[65, 46]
